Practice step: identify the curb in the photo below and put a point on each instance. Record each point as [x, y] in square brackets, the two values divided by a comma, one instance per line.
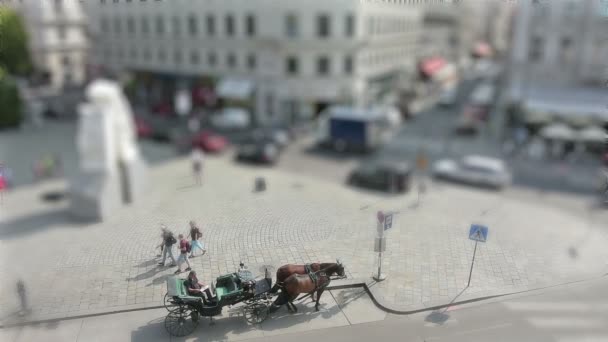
[342, 284]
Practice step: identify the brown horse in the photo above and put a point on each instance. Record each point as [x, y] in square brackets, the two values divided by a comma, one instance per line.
[296, 284]
[286, 270]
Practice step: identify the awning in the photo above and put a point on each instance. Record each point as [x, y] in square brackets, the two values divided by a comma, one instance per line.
[592, 134]
[233, 88]
[431, 66]
[558, 132]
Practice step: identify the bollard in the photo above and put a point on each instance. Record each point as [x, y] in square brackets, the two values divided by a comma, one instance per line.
[22, 297]
[260, 184]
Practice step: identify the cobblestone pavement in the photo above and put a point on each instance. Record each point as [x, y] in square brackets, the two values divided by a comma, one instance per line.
[73, 269]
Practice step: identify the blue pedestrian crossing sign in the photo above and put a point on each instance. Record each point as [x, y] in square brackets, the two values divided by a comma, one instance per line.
[478, 233]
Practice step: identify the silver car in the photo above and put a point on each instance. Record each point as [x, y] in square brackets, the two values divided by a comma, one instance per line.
[475, 170]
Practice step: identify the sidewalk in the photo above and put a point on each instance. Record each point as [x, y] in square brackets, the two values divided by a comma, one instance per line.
[73, 270]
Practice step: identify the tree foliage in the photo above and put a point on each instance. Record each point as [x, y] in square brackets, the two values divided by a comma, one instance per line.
[10, 103]
[14, 54]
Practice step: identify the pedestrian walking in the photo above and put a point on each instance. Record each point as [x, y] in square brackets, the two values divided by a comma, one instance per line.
[195, 234]
[421, 166]
[197, 165]
[184, 248]
[167, 245]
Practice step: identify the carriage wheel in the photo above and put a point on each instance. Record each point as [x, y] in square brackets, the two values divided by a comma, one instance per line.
[256, 313]
[181, 321]
[168, 302]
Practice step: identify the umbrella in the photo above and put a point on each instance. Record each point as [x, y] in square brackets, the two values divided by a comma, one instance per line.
[592, 134]
[557, 131]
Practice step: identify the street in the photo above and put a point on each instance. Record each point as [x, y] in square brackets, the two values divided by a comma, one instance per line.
[567, 313]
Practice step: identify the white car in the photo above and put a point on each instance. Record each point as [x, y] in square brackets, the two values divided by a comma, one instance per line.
[476, 170]
[231, 118]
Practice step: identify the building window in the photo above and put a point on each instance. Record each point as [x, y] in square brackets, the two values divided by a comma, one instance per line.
[133, 54]
[192, 25]
[229, 21]
[210, 25]
[250, 25]
[349, 28]
[65, 61]
[130, 25]
[58, 6]
[211, 58]
[117, 25]
[160, 25]
[251, 62]
[177, 30]
[162, 56]
[194, 57]
[61, 32]
[536, 49]
[323, 23]
[103, 24]
[291, 25]
[323, 66]
[231, 60]
[146, 55]
[177, 56]
[348, 65]
[145, 26]
[291, 66]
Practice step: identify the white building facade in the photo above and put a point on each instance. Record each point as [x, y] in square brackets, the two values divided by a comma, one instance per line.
[57, 39]
[562, 42]
[300, 55]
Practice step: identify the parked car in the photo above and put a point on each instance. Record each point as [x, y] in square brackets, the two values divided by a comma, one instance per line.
[142, 128]
[467, 125]
[258, 149]
[388, 176]
[474, 170]
[209, 141]
[279, 136]
[231, 118]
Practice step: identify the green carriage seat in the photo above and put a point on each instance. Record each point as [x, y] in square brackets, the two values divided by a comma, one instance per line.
[227, 287]
[176, 288]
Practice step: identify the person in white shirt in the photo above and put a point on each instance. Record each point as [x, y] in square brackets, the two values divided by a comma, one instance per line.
[197, 165]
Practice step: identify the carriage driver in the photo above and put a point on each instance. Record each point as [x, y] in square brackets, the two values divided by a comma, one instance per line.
[198, 289]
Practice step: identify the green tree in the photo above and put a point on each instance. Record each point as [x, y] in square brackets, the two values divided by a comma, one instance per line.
[10, 103]
[14, 54]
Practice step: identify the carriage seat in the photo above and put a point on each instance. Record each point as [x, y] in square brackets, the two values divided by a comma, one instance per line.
[176, 288]
[227, 286]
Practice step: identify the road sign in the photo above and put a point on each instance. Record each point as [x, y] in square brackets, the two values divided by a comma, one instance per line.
[478, 233]
[388, 222]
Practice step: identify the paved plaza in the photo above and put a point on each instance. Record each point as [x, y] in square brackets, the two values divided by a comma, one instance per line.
[72, 268]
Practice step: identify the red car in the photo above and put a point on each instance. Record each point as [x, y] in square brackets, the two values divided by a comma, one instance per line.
[209, 141]
[142, 128]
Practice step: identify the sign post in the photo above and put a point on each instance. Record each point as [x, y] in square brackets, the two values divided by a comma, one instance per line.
[478, 233]
[385, 222]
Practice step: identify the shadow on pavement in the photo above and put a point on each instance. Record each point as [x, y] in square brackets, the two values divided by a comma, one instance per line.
[36, 223]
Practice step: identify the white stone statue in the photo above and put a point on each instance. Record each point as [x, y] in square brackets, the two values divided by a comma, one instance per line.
[112, 171]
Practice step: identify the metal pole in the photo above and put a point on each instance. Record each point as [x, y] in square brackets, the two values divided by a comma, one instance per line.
[472, 262]
[379, 265]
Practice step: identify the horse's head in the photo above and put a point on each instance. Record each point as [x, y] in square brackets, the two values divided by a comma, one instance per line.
[339, 269]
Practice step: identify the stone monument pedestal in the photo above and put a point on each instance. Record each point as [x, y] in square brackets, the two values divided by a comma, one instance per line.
[111, 170]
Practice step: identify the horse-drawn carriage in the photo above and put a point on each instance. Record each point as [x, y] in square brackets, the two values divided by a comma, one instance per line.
[186, 311]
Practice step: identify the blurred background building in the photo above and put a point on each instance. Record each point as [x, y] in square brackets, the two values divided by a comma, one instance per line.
[294, 57]
[57, 39]
[559, 61]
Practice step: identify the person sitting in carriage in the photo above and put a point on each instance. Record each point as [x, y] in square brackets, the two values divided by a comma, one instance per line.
[198, 289]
